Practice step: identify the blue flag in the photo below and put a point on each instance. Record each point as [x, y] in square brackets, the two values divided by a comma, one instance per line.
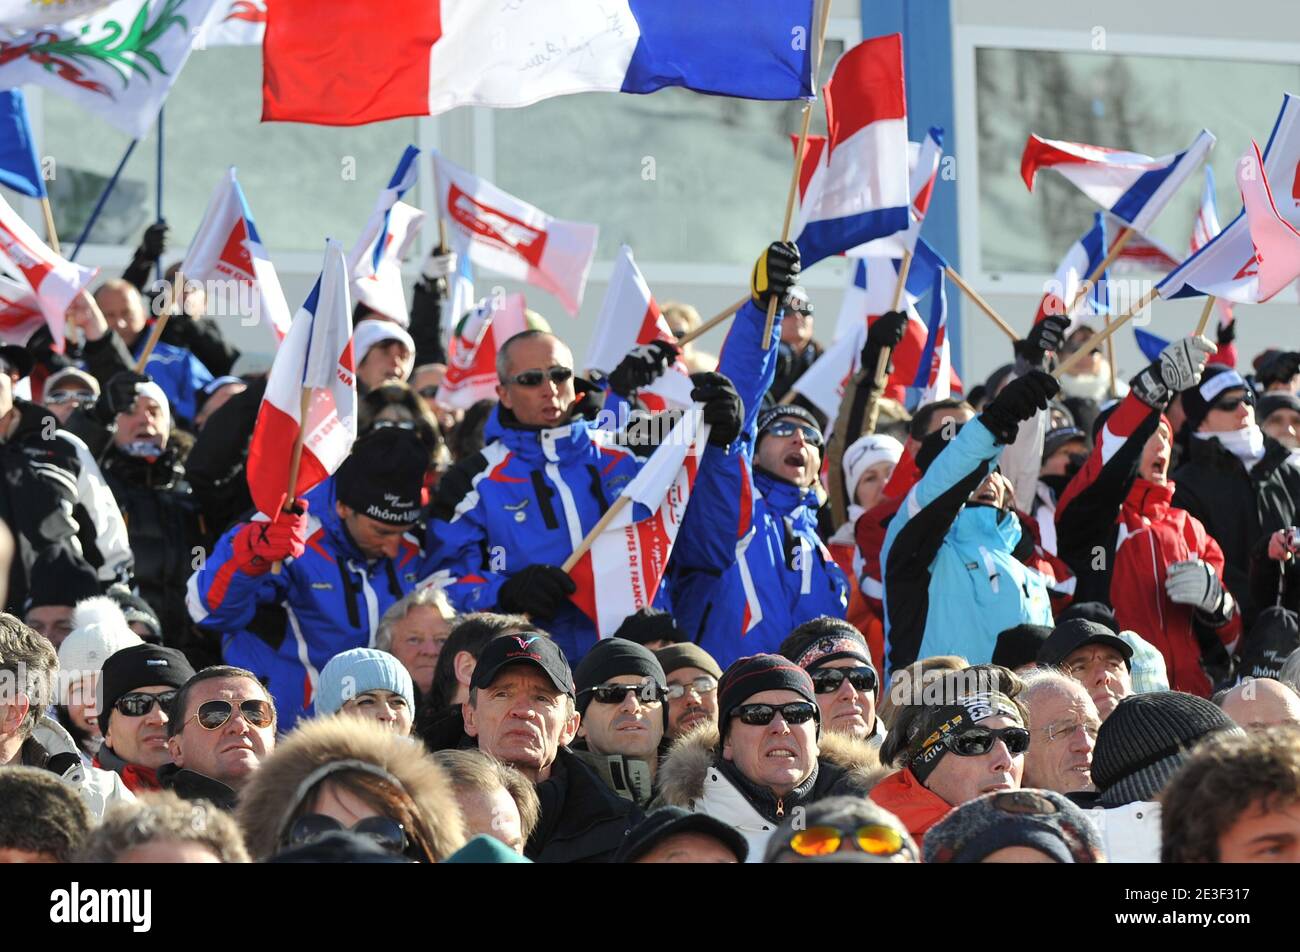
[20, 168]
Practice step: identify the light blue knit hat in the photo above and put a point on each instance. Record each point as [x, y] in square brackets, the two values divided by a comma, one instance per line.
[1147, 665]
[357, 671]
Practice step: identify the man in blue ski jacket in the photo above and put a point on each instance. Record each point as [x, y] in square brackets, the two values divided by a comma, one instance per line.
[749, 566]
[347, 557]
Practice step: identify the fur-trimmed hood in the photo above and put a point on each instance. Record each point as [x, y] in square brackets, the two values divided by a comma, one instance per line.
[844, 762]
[265, 803]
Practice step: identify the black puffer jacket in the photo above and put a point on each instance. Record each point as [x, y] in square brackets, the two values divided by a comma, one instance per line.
[162, 520]
[1241, 510]
[582, 820]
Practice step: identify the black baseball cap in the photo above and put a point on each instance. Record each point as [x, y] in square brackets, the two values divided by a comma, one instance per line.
[660, 824]
[1069, 636]
[529, 646]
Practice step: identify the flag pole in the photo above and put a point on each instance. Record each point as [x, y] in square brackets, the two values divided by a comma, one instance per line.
[103, 197]
[882, 362]
[158, 264]
[1091, 344]
[712, 322]
[1110, 357]
[610, 514]
[1205, 315]
[982, 304]
[773, 304]
[178, 286]
[295, 461]
[1115, 249]
[51, 233]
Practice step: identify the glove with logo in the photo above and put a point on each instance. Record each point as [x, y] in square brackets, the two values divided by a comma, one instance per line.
[1018, 401]
[1047, 335]
[1194, 582]
[724, 411]
[775, 272]
[643, 365]
[1178, 368]
[260, 544]
[537, 590]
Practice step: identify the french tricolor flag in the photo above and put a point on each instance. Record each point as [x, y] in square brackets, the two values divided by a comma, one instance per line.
[1133, 187]
[934, 376]
[630, 317]
[854, 185]
[1226, 266]
[347, 63]
[314, 366]
[1207, 227]
[923, 160]
[1079, 262]
[375, 262]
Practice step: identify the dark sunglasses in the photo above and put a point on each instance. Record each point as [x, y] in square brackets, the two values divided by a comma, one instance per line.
[872, 838]
[388, 833]
[138, 704]
[1231, 404]
[647, 692]
[429, 393]
[212, 715]
[534, 378]
[787, 428]
[760, 715]
[704, 684]
[828, 680]
[980, 740]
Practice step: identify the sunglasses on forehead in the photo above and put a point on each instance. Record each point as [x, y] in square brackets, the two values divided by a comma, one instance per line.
[534, 378]
[811, 435]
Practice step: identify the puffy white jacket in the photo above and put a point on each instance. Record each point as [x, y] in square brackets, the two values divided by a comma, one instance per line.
[1131, 832]
[98, 788]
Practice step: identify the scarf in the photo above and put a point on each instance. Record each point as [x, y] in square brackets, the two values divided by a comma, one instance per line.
[1247, 444]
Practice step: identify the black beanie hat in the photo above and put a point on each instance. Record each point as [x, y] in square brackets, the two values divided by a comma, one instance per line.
[769, 416]
[764, 672]
[55, 582]
[141, 666]
[1018, 646]
[1197, 400]
[383, 478]
[1146, 739]
[650, 624]
[612, 658]
[1098, 612]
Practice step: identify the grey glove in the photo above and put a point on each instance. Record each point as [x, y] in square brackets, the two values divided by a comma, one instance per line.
[1179, 368]
[1194, 582]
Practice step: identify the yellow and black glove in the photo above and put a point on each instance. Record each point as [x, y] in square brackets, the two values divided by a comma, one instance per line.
[776, 272]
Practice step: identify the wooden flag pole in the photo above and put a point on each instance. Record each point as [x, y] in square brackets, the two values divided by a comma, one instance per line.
[1110, 357]
[982, 304]
[610, 515]
[178, 289]
[295, 461]
[712, 322]
[1086, 288]
[50, 232]
[1091, 344]
[1205, 315]
[882, 362]
[773, 304]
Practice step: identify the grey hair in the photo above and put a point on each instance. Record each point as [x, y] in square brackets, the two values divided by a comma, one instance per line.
[431, 596]
[163, 816]
[1290, 673]
[1043, 679]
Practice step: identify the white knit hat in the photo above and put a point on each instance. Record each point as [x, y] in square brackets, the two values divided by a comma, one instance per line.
[99, 630]
[866, 452]
[372, 332]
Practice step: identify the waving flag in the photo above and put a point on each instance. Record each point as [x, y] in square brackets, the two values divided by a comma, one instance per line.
[1276, 241]
[118, 62]
[1205, 228]
[20, 168]
[25, 14]
[934, 377]
[236, 23]
[923, 160]
[854, 184]
[227, 248]
[54, 281]
[316, 355]
[1133, 187]
[1084, 256]
[1226, 265]
[503, 234]
[20, 311]
[629, 316]
[375, 262]
[472, 354]
[622, 570]
[424, 57]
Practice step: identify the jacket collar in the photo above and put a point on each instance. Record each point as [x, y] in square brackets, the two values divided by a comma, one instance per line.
[192, 785]
[537, 445]
[764, 801]
[785, 497]
[1146, 499]
[135, 776]
[977, 525]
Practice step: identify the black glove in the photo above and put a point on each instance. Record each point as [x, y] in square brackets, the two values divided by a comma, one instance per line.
[588, 400]
[155, 240]
[1226, 334]
[775, 272]
[887, 331]
[1047, 335]
[643, 365]
[1279, 368]
[538, 590]
[724, 411]
[119, 396]
[1018, 402]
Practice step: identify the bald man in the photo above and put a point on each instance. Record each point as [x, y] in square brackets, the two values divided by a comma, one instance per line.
[1256, 703]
